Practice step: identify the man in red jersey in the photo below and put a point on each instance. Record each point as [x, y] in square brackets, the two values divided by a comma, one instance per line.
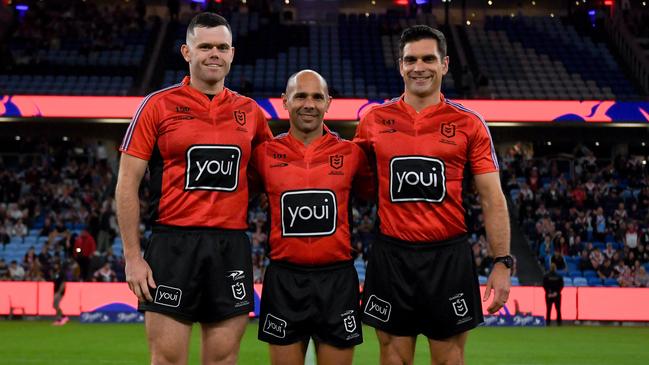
[311, 287]
[196, 138]
[420, 276]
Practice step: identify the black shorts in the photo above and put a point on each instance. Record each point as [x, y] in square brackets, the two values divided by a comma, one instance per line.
[299, 302]
[202, 275]
[427, 288]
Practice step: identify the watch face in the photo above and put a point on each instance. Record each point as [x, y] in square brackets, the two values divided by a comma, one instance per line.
[506, 260]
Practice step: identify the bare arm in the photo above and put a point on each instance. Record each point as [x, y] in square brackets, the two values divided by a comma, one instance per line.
[138, 272]
[494, 207]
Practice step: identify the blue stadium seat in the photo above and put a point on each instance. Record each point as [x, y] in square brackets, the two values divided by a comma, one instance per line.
[515, 281]
[579, 281]
[482, 279]
[594, 282]
[590, 274]
[575, 274]
[567, 281]
[610, 282]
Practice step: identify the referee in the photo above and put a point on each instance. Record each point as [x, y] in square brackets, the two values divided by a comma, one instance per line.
[421, 277]
[196, 139]
[311, 287]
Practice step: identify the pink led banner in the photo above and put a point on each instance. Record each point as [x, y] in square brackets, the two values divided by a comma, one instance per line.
[520, 111]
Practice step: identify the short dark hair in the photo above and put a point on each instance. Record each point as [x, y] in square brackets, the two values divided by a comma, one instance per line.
[207, 20]
[419, 32]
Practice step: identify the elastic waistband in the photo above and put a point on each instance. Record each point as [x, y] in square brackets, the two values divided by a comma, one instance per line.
[306, 268]
[422, 245]
[160, 228]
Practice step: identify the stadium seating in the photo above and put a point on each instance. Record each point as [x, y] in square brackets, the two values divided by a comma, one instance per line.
[541, 58]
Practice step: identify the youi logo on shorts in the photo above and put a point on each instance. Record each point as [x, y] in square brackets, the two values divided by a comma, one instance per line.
[167, 295]
[275, 326]
[417, 178]
[212, 167]
[378, 308]
[308, 213]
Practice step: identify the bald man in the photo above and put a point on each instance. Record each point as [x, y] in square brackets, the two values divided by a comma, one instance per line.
[311, 287]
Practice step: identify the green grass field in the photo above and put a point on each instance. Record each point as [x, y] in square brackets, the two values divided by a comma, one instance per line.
[37, 342]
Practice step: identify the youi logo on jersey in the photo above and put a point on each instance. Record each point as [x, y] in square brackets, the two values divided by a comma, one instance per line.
[417, 178]
[212, 167]
[308, 213]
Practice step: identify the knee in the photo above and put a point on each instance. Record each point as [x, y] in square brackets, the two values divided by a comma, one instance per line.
[161, 357]
[451, 357]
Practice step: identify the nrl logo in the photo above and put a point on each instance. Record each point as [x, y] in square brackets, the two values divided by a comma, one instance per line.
[239, 117]
[336, 161]
[448, 130]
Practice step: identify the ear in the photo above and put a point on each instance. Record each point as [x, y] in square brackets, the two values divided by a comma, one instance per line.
[445, 65]
[232, 48]
[184, 51]
[284, 101]
[329, 99]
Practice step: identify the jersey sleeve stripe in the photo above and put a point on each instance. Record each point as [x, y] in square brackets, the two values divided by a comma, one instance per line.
[484, 124]
[136, 117]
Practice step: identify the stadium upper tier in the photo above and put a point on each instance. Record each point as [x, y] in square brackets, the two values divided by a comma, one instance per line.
[541, 58]
[89, 50]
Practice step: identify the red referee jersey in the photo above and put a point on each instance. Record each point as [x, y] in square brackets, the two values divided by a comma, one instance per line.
[198, 151]
[308, 191]
[419, 159]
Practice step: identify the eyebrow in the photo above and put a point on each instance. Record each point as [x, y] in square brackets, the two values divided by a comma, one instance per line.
[303, 93]
[218, 45]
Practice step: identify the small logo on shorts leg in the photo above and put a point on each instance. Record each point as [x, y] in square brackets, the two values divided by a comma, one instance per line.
[459, 305]
[350, 323]
[235, 275]
[378, 308]
[166, 295]
[275, 326]
[238, 291]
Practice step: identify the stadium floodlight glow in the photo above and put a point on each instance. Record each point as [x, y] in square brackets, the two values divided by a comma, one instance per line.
[367, 15]
[65, 138]
[17, 138]
[549, 143]
[533, 3]
[551, 15]
[643, 144]
[644, 162]
[490, 2]
[596, 143]
[287, 2]
[468, 22]
[373, 2]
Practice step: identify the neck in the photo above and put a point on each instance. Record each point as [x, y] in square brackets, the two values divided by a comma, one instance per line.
[206, 88]
[306, 137]
[420, 103]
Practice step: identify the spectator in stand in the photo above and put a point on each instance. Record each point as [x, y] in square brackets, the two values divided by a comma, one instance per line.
[60, 236]
[559, 261]
[606, 270]
[19, 229]
[4, 270]
[84, 247]
[4, 236]
[105, 274]
[641, 278]
[584, 261]
[626, 277]
[609, 251]
[29, 258]
[596, 258]
[547, 247]
[16, 272]
[631, 236]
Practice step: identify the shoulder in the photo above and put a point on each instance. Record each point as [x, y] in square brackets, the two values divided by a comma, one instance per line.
[161, 94]
[387, 106]
[471, 114]
[242, 101]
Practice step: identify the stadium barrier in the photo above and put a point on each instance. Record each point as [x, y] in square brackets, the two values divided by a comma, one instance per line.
[518, 111]
[578, 303]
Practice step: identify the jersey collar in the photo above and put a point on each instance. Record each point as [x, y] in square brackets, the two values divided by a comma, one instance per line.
[426, 111]
[201, 97]
[327, 135]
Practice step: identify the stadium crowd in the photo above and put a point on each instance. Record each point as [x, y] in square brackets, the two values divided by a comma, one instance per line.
[585, 214]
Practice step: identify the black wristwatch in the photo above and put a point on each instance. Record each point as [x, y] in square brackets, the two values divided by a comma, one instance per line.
[508, 261]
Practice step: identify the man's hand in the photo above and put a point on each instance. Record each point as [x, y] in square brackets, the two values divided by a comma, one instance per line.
[498, 281]
[139, 277]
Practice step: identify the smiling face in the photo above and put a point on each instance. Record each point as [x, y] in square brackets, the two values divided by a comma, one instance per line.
[422, 68]
[307, 100]
[209, 53]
